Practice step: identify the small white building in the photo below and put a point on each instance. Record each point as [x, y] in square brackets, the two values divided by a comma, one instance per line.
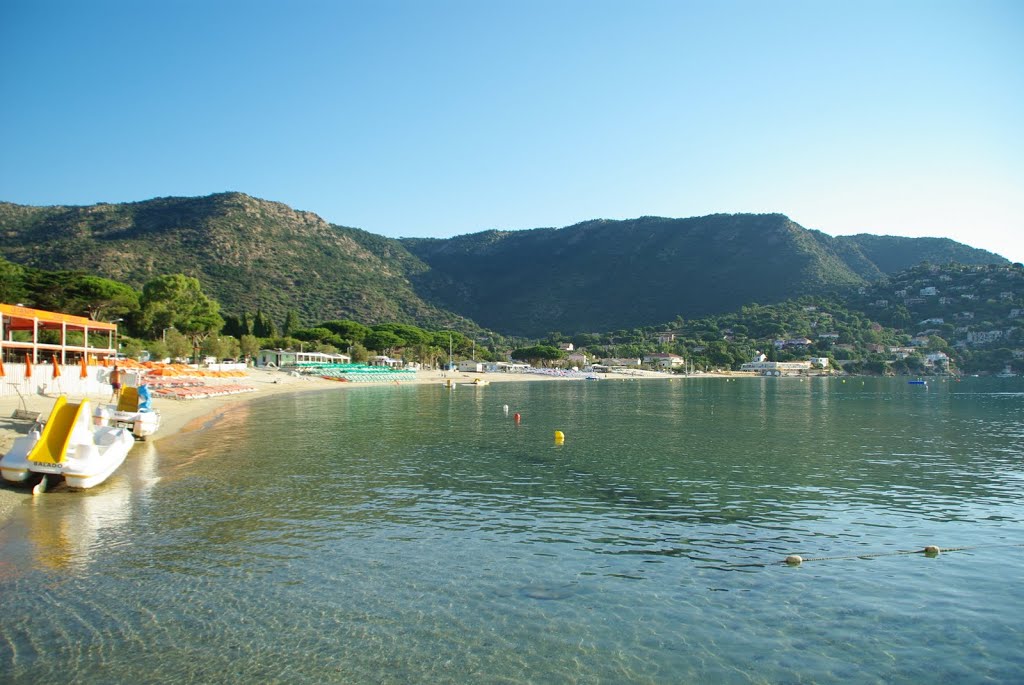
[288, 358]
[663, 360]
[384, 360]
[764, 367]
[471, 366]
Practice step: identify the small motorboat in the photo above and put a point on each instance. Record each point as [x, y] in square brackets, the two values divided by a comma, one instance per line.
[133, 411]
[478, 382]
[67, 445]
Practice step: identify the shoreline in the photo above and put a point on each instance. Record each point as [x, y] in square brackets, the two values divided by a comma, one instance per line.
[179, 417]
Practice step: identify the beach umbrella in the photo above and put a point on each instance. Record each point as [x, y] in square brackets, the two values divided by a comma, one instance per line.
[2, 372]
[28, 366]
[84, 373]
[56, 367]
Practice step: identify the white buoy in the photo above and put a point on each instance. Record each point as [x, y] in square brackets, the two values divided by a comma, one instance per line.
[505, 407]
[932, 550]
[794, 560]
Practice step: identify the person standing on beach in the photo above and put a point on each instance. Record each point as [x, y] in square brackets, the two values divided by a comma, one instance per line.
[115, 384]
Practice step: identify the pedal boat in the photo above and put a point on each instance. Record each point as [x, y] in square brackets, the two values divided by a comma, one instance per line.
[132, 411]
[67, 445]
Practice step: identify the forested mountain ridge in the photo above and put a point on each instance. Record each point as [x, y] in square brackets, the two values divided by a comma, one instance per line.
[251, 254]
[601, 275]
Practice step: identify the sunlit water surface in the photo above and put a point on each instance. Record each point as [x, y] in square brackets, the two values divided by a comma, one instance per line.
[419, 535]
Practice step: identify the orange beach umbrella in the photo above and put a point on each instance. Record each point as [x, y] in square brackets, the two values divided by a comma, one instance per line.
[84, 373]
[2, 372]
[56, 367]
[28, 365]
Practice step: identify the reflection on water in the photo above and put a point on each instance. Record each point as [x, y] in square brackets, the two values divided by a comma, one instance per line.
[419, 534]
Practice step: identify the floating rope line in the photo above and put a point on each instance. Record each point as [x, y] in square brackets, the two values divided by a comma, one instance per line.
[929, 551]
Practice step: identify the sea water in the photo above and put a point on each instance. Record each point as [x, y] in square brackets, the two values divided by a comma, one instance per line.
[422, 535]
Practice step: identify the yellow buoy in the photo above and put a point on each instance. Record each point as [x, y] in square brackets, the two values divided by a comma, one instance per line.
[559, 437]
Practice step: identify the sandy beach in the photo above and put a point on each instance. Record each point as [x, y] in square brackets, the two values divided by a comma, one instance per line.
[178, 416]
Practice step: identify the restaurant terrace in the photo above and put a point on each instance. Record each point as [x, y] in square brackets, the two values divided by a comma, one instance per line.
[39, 335]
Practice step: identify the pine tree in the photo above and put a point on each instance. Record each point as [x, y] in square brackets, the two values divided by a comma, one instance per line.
[263, 326]
[291, 323]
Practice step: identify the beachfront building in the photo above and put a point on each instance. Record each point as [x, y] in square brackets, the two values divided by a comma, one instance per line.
[39, 335]
[776, 368]
[663, 360]
[578, 359]
[384, 360]
[471, 366]
[631, 362]
[505, 367]
[764, 367]
[289, 358]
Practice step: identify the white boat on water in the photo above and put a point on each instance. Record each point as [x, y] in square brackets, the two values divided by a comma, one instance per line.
[478, 382]
[67, 445]
[133, 411]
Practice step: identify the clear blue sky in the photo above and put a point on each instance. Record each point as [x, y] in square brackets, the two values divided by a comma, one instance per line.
[439, 118]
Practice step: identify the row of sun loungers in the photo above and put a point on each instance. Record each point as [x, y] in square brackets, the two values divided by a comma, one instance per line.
[200, 392]
[365, 376]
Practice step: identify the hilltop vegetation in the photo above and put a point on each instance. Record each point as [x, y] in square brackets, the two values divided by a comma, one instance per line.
[252, 255]
[249, 254]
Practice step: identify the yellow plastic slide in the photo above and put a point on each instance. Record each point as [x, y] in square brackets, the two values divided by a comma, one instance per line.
[129, 400]
[53, 443]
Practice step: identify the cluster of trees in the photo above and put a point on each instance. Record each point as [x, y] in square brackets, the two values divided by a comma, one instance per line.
[172, 317]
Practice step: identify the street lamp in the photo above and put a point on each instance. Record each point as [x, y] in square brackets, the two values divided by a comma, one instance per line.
[117, 350]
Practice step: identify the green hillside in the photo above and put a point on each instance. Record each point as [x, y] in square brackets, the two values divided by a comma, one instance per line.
[601, 275]
[251, 254]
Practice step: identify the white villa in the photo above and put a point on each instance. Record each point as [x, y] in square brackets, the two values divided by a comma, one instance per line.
[664, 360]
[764, 367]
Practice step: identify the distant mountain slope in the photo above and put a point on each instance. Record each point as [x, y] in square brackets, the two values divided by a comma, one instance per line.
[602, 275]
[598, 275]
[247, 253]
[892, 254]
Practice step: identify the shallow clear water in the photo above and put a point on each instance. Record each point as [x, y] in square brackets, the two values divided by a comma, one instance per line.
[416, 534]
